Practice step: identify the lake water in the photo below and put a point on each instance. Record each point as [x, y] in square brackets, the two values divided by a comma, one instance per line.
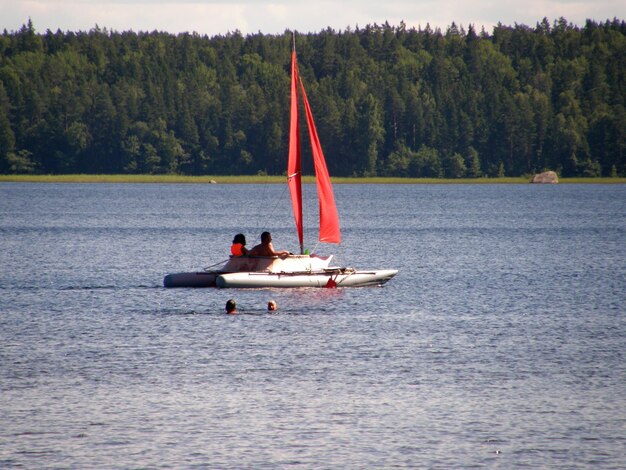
[500, 343]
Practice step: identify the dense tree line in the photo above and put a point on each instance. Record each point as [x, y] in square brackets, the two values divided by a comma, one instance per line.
[388, 100]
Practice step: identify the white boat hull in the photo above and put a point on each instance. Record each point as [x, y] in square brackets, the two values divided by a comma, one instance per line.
[343, 278]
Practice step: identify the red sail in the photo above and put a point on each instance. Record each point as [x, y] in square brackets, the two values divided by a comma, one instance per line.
[329, 218]
[293, 167]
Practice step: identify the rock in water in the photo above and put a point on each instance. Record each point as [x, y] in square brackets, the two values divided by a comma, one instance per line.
[548, 177]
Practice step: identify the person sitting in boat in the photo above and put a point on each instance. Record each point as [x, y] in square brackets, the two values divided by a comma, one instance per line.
[265, 248]
[238, 248]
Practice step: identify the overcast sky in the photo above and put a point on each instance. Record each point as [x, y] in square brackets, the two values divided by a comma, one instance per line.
[275, 16]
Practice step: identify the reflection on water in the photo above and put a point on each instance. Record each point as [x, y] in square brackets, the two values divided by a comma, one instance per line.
[499, 343]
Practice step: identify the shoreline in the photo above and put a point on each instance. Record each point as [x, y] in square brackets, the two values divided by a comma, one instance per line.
[260, 179]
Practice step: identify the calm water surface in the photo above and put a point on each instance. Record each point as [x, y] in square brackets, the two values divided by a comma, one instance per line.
[499, 344]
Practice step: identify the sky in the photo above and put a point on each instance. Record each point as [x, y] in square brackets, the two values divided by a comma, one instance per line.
[215, 17]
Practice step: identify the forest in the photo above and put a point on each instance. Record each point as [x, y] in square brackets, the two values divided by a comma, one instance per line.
[387, 101]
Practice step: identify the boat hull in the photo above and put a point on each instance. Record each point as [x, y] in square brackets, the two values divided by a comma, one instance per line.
[343, 278]
[272, 271]
[249, 264]
[192, 279]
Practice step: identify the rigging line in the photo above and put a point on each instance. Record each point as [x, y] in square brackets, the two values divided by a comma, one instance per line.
[272, 209]
[280, 198]
[213, 265]
[339, 254]
[263, 198]
[350, 273]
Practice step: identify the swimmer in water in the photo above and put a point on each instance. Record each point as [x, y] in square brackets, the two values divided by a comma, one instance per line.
[231, 307]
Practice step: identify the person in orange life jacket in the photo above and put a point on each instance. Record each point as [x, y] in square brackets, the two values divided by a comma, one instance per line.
[238, 248]
[265, 248]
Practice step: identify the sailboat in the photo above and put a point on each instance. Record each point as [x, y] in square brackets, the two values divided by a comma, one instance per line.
[300, 270]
